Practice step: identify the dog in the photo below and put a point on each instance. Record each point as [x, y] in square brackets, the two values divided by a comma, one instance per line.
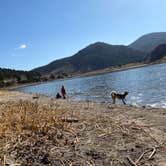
[119, 96]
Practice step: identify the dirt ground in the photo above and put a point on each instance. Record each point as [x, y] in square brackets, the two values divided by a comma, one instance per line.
[99, 134]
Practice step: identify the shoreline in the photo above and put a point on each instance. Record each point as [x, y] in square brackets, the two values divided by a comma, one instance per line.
[153, 105]
[14, 93]
[88, 74]
[117, 69]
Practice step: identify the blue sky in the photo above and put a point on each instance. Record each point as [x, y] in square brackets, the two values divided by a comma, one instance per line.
[36, 32]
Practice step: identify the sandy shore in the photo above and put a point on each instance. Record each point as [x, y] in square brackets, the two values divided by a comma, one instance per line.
[102, 134]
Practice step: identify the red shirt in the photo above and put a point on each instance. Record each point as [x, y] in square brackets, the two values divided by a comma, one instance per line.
[63, 91]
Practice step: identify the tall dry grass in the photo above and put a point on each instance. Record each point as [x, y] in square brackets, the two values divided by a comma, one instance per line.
[25, 122]
[27, 118]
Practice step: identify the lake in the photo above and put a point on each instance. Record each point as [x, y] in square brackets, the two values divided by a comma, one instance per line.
[146, 86]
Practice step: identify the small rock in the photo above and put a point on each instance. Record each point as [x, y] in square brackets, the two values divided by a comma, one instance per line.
[45, 159]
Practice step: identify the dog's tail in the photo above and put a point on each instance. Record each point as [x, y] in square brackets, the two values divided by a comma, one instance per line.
[113, 93]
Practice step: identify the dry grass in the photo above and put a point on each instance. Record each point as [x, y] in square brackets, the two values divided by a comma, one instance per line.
[25, 124]
[27, 118]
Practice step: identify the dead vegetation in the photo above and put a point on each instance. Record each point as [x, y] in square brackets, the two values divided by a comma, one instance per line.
[33, 134]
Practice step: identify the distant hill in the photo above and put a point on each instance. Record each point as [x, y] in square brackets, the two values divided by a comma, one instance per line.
[158, 53]
[94, 57]
[149, 42]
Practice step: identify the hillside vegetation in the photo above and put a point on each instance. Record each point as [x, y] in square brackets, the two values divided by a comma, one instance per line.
[10, 77]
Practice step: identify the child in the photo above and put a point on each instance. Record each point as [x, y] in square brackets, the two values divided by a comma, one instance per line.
[58, 96]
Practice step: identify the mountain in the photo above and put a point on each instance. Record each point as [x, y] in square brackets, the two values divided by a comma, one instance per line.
[94, 57]
[149, 42]
[158, 53]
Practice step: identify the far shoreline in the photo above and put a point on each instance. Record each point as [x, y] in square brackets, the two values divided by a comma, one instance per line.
[88, 74]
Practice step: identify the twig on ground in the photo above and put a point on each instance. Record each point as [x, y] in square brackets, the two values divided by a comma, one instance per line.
[132, 163]
[141, 156]
[70, 120]
[152, 154]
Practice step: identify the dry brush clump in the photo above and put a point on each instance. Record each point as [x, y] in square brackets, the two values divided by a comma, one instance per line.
[30, 133]
[26, 118]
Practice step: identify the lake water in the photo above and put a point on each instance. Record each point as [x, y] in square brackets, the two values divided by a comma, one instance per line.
[146, 86]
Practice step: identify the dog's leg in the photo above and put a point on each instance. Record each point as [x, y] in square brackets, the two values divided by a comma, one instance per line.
[123, 102]
[113, 98]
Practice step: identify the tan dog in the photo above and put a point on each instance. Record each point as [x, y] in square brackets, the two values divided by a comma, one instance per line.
[119, 96]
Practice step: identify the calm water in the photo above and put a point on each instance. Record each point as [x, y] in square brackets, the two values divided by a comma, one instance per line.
[146, 86]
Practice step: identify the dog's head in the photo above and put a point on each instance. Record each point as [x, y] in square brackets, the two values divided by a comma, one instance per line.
[126, 92]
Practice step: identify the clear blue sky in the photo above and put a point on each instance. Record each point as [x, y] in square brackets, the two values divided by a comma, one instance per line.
[36, 32]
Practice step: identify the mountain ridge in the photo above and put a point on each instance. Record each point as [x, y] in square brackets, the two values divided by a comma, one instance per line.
[95, 56]
[149, 42]
[100, 55]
